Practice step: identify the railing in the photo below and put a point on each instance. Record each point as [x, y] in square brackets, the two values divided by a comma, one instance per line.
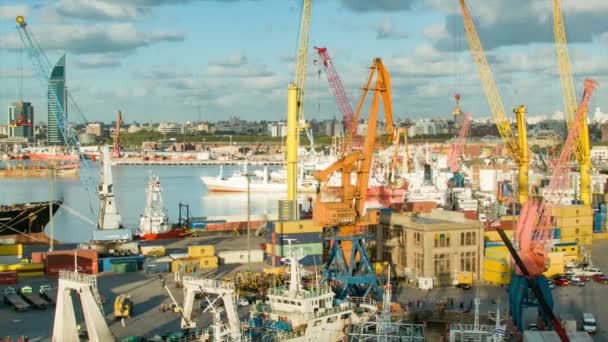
[284, 292]
[289, 335]
[203, 282]
[78, 277]
[334, 310]
[362, 300]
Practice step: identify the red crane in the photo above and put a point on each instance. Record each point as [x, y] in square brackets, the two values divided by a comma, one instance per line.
[457, 148]
[348, 114]
[116, 147]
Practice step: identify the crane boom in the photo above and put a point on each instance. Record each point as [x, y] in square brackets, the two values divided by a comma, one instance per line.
[301, 66]
[457, 148]
[582, 153]
[517, 148]
[335, 82]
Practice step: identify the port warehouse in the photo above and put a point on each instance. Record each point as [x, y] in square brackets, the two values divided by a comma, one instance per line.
[436, 244]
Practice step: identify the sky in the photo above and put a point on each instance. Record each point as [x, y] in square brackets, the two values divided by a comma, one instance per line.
[192, 60]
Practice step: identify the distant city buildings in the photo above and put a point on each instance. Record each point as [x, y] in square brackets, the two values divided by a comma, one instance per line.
[21, 121]
[170, 128]
[95, 129]
[277, 129]
[57, 103]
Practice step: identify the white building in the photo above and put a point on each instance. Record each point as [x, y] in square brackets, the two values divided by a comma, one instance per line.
[422, 127]
[170, 128]
[599, 153]
[277, 129]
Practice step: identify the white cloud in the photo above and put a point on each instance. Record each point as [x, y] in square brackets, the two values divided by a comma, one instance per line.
[96, 9]
[387, 30]
[12, 11]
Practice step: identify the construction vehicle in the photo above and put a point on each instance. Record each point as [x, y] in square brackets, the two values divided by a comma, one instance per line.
[295, 113]
[116, 148]
[48, 293]
[517, 148]
[582, 152]
[347, 217]
[123, 306]
[33, 298]
[13, 299]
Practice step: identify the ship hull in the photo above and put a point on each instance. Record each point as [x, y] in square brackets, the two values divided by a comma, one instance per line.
[26, 218]
[170, 234]
[215, 184]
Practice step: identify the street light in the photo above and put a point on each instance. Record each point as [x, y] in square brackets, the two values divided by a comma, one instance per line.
[249, 175]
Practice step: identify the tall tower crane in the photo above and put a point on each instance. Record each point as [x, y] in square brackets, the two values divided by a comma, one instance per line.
[295, 109]
[348, 263]
[348, 114]
[517, 148]
[43, 67]
[569, 97]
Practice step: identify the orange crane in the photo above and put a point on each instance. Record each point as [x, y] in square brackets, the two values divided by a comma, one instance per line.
[116, 153]
[348, 264]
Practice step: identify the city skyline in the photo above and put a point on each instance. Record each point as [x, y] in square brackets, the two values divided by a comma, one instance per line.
[160, 61]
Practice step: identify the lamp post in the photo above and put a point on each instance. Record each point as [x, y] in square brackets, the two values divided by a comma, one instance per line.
[249, 175]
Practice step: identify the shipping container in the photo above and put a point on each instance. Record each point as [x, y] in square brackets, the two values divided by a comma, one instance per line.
[495, 265]
[282, 239]
[196, 251]
[152, 266]
[305, 249]
[565, 211]
[9, 259]
[240, 257]
[295, 227]
[125, 266]
[15, 249]
[105, 264]
[493, 236]
[600, 235]
[38, 257]
[176, 256]
[86, 260]
[153, 250]
[575, 231]
[312, 260]
[189, 265]
[579, 221]
[8, 278]
[123, 234]
[209, 262]
[581, 240]
[497, 278]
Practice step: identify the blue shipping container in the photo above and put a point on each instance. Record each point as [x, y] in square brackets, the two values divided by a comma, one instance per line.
[105, 264]
[157, 267]
[603, 207]
[557, 233]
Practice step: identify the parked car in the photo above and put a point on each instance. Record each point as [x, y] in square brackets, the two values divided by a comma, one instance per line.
[591, 271]
[589, 323]
[600, 278]
[577, 282]
[584, 278]
[561, 282]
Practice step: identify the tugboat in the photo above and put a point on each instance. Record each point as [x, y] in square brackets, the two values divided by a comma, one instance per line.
[154, 223]
[296, 314]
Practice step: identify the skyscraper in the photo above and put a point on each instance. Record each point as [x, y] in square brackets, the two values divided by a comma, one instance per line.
[21, 120]
[57, 103]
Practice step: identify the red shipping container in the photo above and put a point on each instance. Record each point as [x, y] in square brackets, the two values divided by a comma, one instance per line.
[470, 214]
[38, 257]
[8, 278]
[86, 261]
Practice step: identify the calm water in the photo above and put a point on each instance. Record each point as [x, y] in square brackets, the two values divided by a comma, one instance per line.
[180, 184]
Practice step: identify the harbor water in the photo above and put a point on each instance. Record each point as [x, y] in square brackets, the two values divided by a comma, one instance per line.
[75, 222]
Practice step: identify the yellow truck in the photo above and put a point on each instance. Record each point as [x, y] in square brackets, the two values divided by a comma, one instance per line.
[123, 307]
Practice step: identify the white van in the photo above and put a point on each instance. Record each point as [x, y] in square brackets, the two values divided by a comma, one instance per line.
[589, 324]
[590, 271]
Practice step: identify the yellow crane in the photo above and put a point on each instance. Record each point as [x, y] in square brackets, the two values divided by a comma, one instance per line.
[295, 108]
[517, 148]
[582, 153]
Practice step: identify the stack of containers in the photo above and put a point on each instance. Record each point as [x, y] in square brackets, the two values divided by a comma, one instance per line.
[496, 264]
[599, 221]
[575, 223]
[199, 257]
[85, 259]
[153, 251]
[10, 254]
[304, 236]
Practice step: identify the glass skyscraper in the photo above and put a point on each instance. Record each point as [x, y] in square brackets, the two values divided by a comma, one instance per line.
[57, 103]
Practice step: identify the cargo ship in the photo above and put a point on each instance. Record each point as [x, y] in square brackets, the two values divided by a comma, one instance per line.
[25, 218]
[154, 223]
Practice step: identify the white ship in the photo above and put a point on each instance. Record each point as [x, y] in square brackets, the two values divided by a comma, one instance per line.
[238, 183]
[154, 219]
[296, 314]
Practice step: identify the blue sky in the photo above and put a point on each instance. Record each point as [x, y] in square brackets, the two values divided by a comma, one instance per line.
[177, 60]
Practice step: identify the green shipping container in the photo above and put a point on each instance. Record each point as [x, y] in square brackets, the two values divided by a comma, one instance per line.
[124, 267]
[305, 249]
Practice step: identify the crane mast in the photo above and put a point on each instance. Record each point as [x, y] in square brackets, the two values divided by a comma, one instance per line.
[116, 146]
[582, 151]
[517, 148]
[295, 110]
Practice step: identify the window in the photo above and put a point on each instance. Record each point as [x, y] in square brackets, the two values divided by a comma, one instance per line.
[418, 239]
[577, 231]
[442, 263]
[332, 319]
[317, 323]
[468, 238]
[468, 262]
[419, 262]
[442, 240]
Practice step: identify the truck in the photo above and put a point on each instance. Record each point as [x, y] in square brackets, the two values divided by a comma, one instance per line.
[113, 249]
[34, 299]
[13, 299]
[589, 323]
[48, 293]
[123, 307]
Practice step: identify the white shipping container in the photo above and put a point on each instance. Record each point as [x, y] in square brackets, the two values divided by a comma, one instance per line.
[487, 180]
[240, 256]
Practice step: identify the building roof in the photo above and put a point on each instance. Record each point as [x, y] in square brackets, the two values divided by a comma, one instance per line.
[437, 219]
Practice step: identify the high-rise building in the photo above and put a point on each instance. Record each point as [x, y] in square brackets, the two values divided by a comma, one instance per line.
[57, 103]
[21, 120]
